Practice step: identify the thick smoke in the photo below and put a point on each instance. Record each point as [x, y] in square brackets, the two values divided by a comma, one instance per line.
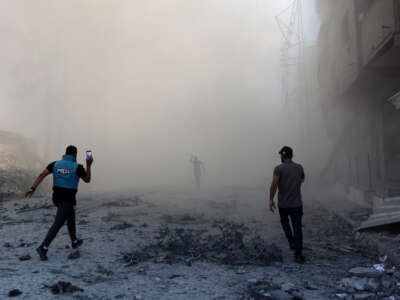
[145, 84]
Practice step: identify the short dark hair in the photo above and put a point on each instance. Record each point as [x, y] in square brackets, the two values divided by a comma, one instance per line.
[286, 152]
[71, 150]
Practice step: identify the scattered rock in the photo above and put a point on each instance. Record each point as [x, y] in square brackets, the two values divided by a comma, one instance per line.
[310, 286]
[63, 287]
[25, 257]
[228, 246]
[175, 276]
[287, 287]
[282, 295]
[364, 296]
[74, 255]
[7, 245]
[26, 245]
[264, 290]
[396, 275]
[360, 284]
[365, 272]
[387, 281]
[104, 271]
[344, 296]
[14, 293]
[122, 226]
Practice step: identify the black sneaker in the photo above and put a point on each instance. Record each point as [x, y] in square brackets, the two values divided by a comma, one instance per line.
[42, 252]
[76, 244]
[300, 259]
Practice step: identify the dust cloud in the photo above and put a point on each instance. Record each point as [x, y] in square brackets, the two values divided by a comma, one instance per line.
[145, 84]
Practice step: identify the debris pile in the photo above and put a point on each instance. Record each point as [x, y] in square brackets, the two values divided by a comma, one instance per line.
[376, 282]
[227, 244]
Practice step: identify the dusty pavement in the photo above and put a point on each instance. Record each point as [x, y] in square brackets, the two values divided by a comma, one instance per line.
[220, 244]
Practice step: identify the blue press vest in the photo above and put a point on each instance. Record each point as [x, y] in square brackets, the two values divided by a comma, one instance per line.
[64, 173]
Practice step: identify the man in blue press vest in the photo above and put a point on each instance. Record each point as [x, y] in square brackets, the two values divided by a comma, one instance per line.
[66, 174]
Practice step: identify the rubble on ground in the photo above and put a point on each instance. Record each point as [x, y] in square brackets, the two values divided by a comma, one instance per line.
[370, 283]
[265, 290]
[228, 245]
[14, 293]
[74, 255]
[63, 287]
[25, 257]
[121, 226]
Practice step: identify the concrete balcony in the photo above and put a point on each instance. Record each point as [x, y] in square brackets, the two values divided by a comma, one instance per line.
[380, 36]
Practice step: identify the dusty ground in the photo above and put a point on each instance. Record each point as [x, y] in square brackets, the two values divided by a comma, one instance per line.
[115, 226]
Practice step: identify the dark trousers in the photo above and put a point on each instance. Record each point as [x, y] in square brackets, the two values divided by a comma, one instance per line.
[65, 213]
[293, 232]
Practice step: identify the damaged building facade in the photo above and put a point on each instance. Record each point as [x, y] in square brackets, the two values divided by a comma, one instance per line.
[359, 91]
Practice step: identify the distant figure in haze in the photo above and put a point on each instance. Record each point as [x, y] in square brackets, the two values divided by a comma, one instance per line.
[288, 178]
[198, 169]
[66, 174]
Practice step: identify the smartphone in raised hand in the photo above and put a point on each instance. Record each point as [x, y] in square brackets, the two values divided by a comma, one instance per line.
[89, 155]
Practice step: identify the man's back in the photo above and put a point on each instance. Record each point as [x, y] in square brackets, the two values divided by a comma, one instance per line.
[291, 175]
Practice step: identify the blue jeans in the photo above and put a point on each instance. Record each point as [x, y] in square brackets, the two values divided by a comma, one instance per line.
[294, 235]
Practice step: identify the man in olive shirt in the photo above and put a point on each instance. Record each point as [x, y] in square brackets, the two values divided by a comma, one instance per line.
[66, 175]
[288, 178]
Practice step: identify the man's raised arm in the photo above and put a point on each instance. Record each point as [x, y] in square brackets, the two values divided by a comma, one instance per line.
[88, 176]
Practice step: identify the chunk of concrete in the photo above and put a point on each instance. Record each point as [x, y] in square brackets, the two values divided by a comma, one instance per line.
[360, 284]
[365, 272]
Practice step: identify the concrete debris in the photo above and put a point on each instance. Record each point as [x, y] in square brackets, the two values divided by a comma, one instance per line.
[74, 255]
[121, 226]
[343, 296]
[311, 286]
[379, 267]
[63, 287]
[365, 272]
[104, 271]
[288, 287]
[383, 259]
[25, 257]
[369, 283]
[360, 284]
[227, 246]
[7, 245]
[14, 293]
[364, 296]
[264, 290]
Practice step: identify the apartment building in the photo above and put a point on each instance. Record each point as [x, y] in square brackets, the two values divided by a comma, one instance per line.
[359, 91]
